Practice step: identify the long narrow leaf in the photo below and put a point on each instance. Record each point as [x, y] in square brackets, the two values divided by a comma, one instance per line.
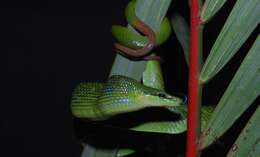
[182, 32]
[241, 92]
[124, 66]
[152, 76]
[211, 7]
[241, 22]
[248, 142]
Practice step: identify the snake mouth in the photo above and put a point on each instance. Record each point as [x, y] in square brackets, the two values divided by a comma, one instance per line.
[165, 96]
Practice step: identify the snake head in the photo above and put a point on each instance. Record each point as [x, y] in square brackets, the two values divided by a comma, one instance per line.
[160, 99]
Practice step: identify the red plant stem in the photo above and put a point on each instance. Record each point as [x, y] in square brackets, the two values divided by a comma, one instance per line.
[193, 128]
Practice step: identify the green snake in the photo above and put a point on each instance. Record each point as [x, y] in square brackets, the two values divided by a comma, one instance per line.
[120, 94]
[97, 101]
[101, 101]
[136, 45]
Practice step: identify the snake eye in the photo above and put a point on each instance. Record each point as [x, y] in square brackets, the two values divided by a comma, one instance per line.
[162, 95]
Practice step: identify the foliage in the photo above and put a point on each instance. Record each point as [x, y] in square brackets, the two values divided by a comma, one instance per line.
[242, 90]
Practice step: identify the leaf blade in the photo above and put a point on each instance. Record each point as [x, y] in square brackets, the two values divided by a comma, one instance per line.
[248, 142]
[242, 20]
[241, 92]
[182, 32]
[211, 7]
[91, 151]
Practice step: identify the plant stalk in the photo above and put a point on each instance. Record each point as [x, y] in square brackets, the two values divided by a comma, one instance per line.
[194, 88]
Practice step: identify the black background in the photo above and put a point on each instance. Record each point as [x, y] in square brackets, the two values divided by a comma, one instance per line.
[53, 45]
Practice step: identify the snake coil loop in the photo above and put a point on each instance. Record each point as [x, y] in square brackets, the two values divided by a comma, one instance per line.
[143, 28]
[134, 45]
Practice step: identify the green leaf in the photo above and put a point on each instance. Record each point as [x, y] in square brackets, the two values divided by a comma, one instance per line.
[91, 151]
[210, 8]
[248, 142]
[124, 66]
[182, 31]
[152, 76]
[125, 152]
[241, 92]
[240, 24]
[151, 12]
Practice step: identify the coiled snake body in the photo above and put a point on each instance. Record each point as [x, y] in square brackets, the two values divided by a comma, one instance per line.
[120, 94]
[100, 101]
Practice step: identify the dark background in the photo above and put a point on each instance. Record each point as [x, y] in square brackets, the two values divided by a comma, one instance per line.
[53, 45]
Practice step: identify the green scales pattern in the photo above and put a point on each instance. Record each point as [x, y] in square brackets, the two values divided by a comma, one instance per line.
[98, 101]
